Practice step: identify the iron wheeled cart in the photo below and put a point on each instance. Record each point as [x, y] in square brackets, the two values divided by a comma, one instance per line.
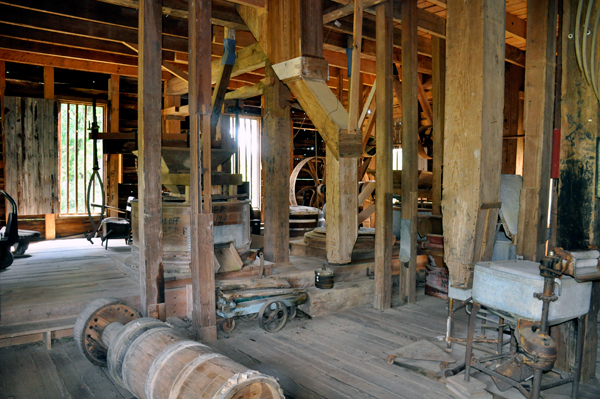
[274, 307]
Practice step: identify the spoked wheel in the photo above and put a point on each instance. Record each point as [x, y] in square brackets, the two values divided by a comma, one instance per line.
[312, 171]
[272, 316]
[227, 325]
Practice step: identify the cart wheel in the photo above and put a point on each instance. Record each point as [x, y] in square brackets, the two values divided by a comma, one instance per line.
[291, 312]
[227, 325]
[272, 316]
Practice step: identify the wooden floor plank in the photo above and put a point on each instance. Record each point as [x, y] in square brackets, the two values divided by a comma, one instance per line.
[93, 376]
[51, 383]
[293, 388]
[68, 374]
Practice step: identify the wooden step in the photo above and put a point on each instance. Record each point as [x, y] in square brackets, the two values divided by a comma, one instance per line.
[32, 331]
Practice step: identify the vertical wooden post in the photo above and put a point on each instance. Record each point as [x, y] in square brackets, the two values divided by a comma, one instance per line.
[510, 147]
[355, 88]
[2, 91]
[150, 188]
[276, 163]
[50, 226]
[49, 83]
[202, 253]
[410, 126]
[538, 123]
[473, 133]
[384, 134]
[578, 195]
[113, 162]
[438, 48]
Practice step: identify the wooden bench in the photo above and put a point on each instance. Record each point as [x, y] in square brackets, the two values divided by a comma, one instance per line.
[45, 328]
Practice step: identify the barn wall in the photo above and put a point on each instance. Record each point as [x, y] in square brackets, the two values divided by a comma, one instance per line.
[31, 128]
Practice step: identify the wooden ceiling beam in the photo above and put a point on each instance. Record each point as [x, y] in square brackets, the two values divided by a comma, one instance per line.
[515, 26]
[41, 36]
[223, 12]
[513, 55]
[67, 52]
[24, 57]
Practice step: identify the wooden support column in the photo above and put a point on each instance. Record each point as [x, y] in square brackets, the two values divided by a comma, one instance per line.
[438, 48]
[539, 117]
[342, 192]
[355, 89]
[513, 86]
[152, 285]
[384, 135]
[3, 136]
[49, 83]
[578, 191]
[473, 133]
[410, 173]
[276, 164]
[202, 247]
[113, 161]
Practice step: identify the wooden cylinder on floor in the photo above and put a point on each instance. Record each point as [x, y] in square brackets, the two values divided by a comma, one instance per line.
[140, 355]
[189, 369]
[120, 344]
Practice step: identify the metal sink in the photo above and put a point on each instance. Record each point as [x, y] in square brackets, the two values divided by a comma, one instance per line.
[508, 286]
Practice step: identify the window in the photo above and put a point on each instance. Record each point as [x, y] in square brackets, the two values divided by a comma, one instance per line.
[248, 139]
[77, 156]
[397, 161]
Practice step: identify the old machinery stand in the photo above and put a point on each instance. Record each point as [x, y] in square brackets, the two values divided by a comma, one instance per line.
[532, 350]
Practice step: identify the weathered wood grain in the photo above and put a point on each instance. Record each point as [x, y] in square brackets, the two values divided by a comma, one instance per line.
[31, 128]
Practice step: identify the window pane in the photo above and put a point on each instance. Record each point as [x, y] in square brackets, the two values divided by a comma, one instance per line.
[77, 157]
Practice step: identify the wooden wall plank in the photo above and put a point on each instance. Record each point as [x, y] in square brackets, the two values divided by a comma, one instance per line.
[276, 163]
[410, 173]
[538, 123]
[31, 128]
[473, 133]
[439, 91]
[384, 135]
[202, 254]
[152, 290]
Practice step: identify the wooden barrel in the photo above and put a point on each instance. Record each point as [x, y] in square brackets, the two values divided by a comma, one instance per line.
[302, 220]
[121, 343]
[140, 355]
[189, 369]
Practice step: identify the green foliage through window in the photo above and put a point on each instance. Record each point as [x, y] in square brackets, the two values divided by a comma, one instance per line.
[77, 157]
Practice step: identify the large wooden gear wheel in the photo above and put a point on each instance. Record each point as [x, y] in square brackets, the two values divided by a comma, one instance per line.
[93, 320]
[315, 168]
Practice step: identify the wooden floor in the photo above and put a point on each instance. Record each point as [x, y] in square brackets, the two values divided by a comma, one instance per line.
[342, 355]
[57, 279]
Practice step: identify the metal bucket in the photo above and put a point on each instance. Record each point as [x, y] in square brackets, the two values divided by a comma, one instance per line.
[324, 278]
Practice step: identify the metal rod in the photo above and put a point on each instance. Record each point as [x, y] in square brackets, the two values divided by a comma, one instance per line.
[578, 356]
[469, 351]
[500, 334]
[449, 323]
